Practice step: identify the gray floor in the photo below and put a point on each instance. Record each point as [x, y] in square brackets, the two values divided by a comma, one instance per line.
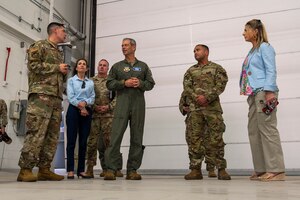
[152, 187]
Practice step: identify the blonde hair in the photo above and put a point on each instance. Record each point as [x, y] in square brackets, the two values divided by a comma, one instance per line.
[261, 30]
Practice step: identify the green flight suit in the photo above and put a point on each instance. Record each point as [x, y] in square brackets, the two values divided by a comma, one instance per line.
[130, 107]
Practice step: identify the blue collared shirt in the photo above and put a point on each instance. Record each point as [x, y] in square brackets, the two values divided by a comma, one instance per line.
[77, 93]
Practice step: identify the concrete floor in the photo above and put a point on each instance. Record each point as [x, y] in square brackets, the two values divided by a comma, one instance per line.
[152, 187]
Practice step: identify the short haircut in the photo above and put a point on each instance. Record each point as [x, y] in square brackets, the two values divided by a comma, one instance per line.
[105, 61]
[132, 41]
[53, 25]
[204, 46]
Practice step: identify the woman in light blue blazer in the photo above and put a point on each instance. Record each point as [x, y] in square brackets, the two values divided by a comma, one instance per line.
[258, 82]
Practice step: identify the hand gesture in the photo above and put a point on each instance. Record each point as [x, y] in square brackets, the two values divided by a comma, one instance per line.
[63, 68]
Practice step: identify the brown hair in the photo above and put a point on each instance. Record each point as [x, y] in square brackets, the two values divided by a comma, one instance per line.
[261, 31]
[75, 71]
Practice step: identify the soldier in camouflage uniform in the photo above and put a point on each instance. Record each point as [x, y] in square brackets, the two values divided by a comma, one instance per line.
[3, 123]
[203, 83]
[46, 76]
[184, 109]
[99, 137]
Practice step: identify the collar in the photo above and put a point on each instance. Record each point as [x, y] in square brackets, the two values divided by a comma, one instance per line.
[136, 60]
[198, 65]
[51, 43]
[77, 78]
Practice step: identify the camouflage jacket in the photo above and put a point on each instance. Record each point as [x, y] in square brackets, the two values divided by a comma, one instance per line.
[3, 113]
[103, 97]
[43, 64]
[210, 81]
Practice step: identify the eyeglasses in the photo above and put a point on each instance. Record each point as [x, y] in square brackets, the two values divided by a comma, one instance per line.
[83, 85]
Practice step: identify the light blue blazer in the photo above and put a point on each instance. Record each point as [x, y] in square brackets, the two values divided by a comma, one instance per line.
[261, 68]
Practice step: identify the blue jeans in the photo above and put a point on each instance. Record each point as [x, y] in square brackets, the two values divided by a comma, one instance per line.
[81, 125]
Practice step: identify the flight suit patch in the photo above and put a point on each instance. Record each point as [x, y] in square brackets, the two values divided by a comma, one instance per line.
[137, 69]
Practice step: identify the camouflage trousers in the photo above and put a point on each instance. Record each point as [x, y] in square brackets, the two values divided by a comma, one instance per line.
[208, 154]
[43, 126]
[99, 138]
[204, 137]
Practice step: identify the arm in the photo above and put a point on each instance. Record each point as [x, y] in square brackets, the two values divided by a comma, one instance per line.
[148, 83]
[268, 57]
[112, 104]
[221, 80]
[91, 99]
[36, 63]
[3, 115]
[188, 86]
[71, 93]
[183, 106]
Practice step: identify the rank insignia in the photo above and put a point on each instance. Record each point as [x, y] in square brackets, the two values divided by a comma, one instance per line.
[126, 69]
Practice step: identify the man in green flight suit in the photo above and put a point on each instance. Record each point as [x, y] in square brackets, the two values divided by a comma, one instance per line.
[130, 78]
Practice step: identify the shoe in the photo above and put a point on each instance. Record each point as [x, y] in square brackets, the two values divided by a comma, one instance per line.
[109, 175]
[273, 177]
[5, 138]
[26, 175]
[195, 174]
[256, 176]
[90, 171]
[45, 174]
[102, 174]
[70, 175]
[212, 174]
[133, 175]
[223, 175]
[84, 176]
[119, 173]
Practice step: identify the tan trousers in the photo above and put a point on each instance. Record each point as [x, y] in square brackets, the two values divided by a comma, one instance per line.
[264, 137]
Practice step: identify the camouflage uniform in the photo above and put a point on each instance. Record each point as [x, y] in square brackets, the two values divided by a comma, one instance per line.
[3, 113]
[208, 80]
[101, 124]
[44, 105]
[184, 102]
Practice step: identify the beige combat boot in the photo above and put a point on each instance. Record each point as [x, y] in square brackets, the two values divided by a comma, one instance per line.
[195, 174]
[90, 171]
[26, 175]
[119, 173]
[211, 173]
[102, 174]
[109, 175]
[223, 175]
[133, 175]
[45, 174]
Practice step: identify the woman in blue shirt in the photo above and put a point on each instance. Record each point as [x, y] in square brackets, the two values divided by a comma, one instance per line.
[81, 96]
[258, 82]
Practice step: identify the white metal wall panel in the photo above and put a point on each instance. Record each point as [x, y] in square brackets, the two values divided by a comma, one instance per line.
[166, 33]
